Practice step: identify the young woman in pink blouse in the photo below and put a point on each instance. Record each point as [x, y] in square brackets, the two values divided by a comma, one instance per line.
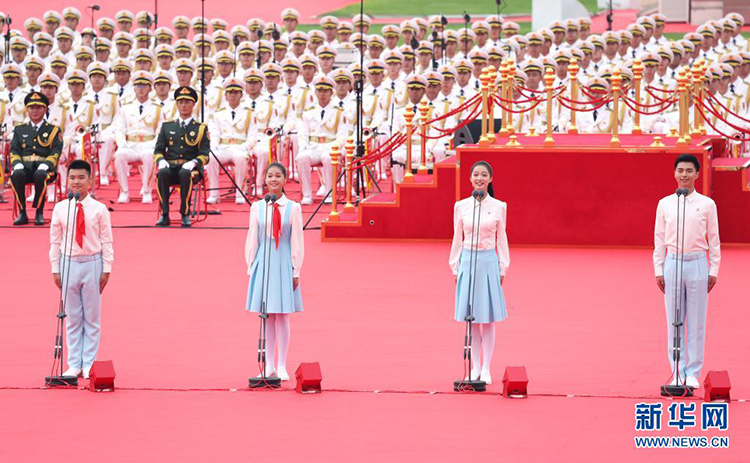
[492, 262]
[279, 226]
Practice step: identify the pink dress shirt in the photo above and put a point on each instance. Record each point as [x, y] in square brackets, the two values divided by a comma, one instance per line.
[701, 230]
[96, 240]
[297, 239]
[491, 230]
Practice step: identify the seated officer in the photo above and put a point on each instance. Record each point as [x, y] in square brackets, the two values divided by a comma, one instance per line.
[34, 152]
[181, 152]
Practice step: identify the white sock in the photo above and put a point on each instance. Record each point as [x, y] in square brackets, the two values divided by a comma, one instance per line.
[283, 333]
[476, 342]
[488, 344]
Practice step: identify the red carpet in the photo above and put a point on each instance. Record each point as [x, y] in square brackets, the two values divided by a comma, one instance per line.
[378, 318]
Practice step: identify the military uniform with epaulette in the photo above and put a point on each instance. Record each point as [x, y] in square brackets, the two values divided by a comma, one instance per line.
[185, 149]
[31, 148]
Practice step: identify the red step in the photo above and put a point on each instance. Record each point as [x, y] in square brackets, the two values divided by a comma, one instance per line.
[415, 212]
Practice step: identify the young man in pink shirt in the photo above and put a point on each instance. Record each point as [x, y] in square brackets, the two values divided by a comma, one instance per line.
[701, 236]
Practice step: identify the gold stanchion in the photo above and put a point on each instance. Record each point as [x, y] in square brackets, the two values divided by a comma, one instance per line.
[616, 80]
[573, 71]
[657, 142]
[637, 76]
[349, 147]
[513, 141]
[335, 154]
[704, 80]
[484, 78]
[549, 79]
[697, 92]
[424, 108]
[503, 80]
[492, 91]
[682, 90]
[409, 116]
[510, 82]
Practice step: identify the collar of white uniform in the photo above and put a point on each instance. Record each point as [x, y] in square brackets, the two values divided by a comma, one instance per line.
[282, 201]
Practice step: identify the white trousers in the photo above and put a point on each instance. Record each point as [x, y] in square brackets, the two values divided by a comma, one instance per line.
[83, 307]
[228, 154]
[260, 151]
[135, 152]
[694, 297]
[315, 154]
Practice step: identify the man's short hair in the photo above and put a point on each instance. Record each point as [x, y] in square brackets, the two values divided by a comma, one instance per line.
[80, 164]
[688, 158]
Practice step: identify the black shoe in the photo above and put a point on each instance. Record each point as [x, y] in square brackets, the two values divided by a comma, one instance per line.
[39, 219]
[186, 221]
[22, 219]
[163, 221]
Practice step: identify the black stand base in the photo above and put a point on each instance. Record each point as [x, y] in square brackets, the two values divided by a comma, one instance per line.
[61, 381]
[676, 391]
[466, 385]
[259, 381]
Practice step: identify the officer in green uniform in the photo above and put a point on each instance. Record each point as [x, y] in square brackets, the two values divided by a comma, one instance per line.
[181, 152]
[34, 152]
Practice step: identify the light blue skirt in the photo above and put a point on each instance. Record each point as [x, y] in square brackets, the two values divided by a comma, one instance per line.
[282, 297]
[489, 301]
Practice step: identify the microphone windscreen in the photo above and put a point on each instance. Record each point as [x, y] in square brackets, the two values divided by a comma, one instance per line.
[678, 192]
[78, 196]
[481, 193]
[70, 195]
[274, 198]
[267, 198]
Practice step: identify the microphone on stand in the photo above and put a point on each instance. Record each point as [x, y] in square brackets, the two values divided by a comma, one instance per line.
[467, 383]
[679, 389]
[263, 380]
[56, 377]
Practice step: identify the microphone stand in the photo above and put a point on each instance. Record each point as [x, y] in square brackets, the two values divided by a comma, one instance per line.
[680, 389]
[56, 377]
[466, 383]
[8, 22]
[263, 380]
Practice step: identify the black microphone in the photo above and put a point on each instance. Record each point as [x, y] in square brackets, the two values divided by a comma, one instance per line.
[267, 198]
[77, 196]
[274, 198]
[96, 7]
[414, 43]
[678, 192]
[70, 195]
[479, 194]
[236, 41]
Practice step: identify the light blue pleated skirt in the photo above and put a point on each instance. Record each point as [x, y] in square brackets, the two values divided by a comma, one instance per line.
[489, 301]
[282, 297]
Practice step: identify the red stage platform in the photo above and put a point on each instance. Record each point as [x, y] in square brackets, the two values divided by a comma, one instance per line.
[582, 191]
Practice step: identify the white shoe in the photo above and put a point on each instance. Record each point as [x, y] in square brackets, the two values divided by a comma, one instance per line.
[142, 191]
[86, 372]
[486, 377]
[474, 376]
[283, 375]
[328, 200]
[306, 201]
[123, 198]
[321, 191]
[104, 180]
[239, 200]
[147, 199]
[212, 200]
[693, 382]
[30, 197]
[383, 176]
[677, 381]
[74, 372]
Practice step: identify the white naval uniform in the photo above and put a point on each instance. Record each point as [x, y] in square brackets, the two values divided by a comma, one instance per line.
[135, 134]
[265, 114]
[318, 129]
[229, 130]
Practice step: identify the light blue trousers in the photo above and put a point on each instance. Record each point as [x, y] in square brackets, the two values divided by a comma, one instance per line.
[83, 307]
[693, 309]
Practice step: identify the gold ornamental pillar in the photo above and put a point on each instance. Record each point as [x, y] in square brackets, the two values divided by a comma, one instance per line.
[637, 79]
[616, 80]
[335, 155]
[573, 71]
[349, 147]
[409, 116]
[549, 79]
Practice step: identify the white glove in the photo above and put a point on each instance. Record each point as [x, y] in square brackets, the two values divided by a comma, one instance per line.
[189, 165]
[163, 164]
[18, 166]
[43, 167]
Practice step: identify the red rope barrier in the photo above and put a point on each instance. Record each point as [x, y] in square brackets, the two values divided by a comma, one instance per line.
[658, 99]
[628, 103]
[719, 131]
[719, 116]
[591, 102]
[663, 90]
[582, 110]
[713, 97]
[537, 103]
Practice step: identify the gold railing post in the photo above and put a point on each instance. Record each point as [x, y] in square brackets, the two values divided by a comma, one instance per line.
[637, 79]
[549, 79]
[697, 95]
[616, 80]
[503, 80]
[423, 110]
[491, 117]
[682, 90]
[510, 82]
[335, 155]
[349, 147]
[409, 116]
[573, 70]
[483, 140]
